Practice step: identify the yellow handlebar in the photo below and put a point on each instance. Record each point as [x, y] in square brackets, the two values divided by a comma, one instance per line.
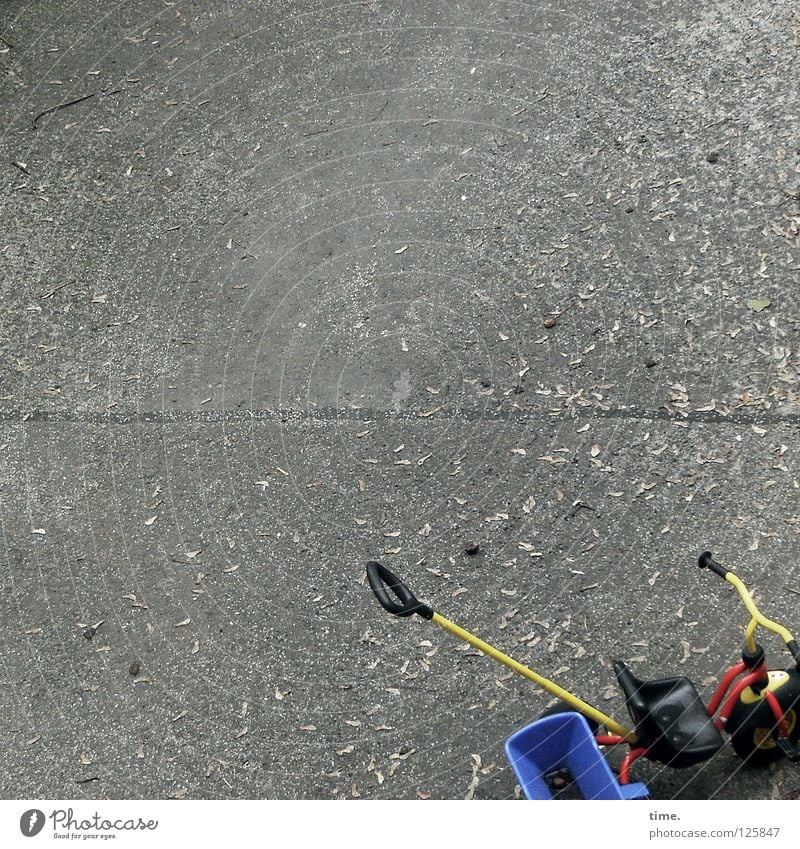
[757, 617]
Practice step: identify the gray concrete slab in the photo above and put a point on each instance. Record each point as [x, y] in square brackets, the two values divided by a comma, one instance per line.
[290, 288]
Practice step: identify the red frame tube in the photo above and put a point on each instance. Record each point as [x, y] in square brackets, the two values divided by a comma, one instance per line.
[758, 675]
[627, 762]
[777, 712]
[724, 685]
[609, 740]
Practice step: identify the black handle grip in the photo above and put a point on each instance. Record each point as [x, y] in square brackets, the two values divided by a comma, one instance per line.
[706, 561]
[380, 579]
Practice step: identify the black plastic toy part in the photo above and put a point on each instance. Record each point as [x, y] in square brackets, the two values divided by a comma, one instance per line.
[671, 720]
[706, 561]
[380, 579]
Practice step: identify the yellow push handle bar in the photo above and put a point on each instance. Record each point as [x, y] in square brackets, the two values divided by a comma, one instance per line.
[405, 604]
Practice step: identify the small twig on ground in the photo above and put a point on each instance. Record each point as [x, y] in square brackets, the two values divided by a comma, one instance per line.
[61, 106]
[50, 292]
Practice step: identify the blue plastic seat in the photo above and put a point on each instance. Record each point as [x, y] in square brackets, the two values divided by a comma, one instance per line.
[564, 741]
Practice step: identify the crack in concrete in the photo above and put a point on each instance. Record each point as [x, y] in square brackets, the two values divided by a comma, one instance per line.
[332, 414]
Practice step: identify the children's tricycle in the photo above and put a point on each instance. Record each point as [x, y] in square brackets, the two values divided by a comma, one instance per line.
[756, 706]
